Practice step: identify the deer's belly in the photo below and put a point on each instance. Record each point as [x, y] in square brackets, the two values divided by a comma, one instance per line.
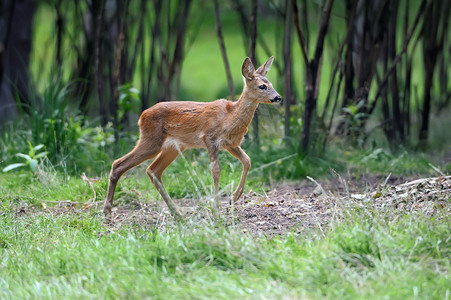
[181, 143]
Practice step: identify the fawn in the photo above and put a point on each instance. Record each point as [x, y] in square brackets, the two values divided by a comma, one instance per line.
[168, 128]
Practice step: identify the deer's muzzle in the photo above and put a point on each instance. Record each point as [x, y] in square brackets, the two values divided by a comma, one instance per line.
[276, 99]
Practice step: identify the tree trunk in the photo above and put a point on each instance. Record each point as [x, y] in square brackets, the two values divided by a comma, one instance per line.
[16, 56]
[310, 105]
[287, 70]
[436, 19]
[348, 92]
[253, 57]
[223, 50]
[170, 44]
[97, 65]
[388, 120]
[238, 6]
[59, 22]
[423, 134]
[397, 120]
[175, 69]
[312, 69]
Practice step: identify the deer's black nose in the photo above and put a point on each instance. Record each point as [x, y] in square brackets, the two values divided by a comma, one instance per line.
[276, 99]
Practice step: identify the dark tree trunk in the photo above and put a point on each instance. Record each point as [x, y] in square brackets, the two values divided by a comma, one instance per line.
[122, 11]
[287, 70]
[436, 19]
[59, 22]
[97, 65]
[312, 69]
[238, 6]
[348, 92]
[397, 120]
[181, 19]
[139, 40]
[148, 70]
[253, 57]
[310, 105]
[382, 83]
[223, 50]
[170, 44]
[408, 77]
[387, 124]
[7, 106]
[347, 71]
[423, 134]
[83, 74]
[17, 16]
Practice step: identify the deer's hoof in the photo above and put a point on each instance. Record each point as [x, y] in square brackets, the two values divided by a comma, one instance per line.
[237, 195]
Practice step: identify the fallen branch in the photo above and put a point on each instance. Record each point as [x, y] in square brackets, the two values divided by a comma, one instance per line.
[422, 180]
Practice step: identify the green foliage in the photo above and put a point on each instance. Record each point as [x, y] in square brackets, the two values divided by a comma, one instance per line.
[129, 100]
[31, 159]
[282, 162]
[52, 124]
[354, 118]
[383, 161]
[72, 141]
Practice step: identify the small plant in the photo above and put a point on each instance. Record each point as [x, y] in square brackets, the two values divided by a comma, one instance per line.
[354, 117]
[31, 159]
[129, 100]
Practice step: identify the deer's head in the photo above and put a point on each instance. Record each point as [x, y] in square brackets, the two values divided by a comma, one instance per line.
[257, 87]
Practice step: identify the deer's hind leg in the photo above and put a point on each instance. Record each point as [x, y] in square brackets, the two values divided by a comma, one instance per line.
[155, 171]
[142, 152]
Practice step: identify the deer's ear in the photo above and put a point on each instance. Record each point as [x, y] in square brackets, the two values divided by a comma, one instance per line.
[248, 69]
[264, 69]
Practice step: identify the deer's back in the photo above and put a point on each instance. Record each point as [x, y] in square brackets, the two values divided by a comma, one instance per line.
[190, 124]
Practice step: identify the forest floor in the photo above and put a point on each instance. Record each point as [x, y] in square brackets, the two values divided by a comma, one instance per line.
[370, 237]
[287, 207]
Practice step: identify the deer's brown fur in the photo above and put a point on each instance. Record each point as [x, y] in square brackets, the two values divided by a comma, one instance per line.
[168, 128]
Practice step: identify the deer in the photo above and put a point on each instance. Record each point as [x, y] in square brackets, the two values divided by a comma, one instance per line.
[168, 128]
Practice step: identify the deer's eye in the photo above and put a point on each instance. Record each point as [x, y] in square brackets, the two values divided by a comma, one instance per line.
[262, 87]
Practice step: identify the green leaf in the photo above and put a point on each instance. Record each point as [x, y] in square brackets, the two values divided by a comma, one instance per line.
[38, 147]
[27, 157]
[31, 149]
[40, 155]
[13, 166]
[33, 165]
[134, 90]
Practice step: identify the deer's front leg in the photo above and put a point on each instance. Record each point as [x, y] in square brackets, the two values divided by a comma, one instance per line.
[213, 153]
[246, 161]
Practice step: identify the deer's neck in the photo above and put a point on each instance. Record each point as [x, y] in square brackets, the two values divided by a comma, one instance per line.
[245, 109]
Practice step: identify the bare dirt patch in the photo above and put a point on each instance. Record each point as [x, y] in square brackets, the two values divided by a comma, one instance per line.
[315, 206]
[288, 207]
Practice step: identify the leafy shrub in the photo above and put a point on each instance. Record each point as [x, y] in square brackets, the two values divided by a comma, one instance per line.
[31, 159]
[72, 142]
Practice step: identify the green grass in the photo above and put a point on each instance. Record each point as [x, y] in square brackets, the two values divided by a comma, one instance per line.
[367, 255]
[75, 257]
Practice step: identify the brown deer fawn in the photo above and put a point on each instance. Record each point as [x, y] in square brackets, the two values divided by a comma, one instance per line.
[168, 128]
